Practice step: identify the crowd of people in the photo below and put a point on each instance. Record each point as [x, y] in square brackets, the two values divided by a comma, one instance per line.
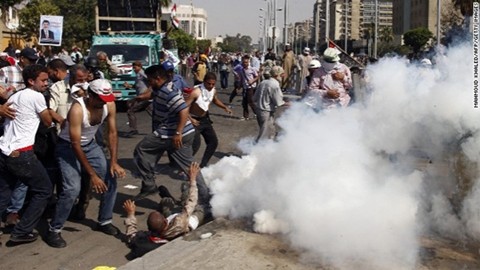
[59, 135]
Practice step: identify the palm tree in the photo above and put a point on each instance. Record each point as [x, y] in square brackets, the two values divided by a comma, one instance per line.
[386, 34]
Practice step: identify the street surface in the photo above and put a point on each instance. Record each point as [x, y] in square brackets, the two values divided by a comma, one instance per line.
[87, 248]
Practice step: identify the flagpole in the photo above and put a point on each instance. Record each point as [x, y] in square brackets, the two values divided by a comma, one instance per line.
[331, 42]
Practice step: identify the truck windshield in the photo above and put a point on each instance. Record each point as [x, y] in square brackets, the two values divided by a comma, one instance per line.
[123, 54]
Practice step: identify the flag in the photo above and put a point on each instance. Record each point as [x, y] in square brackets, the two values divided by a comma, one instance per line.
[348, 60]
[173, 17]
[208, 51]
[331, 44]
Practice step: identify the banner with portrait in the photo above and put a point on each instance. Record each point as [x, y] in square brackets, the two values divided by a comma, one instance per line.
[51, 28]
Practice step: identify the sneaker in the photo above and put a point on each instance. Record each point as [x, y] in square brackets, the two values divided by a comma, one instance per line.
[145, 193]
[109, 229]
[12, 219]
[164, 192]
[54, 239]
[24, 238]
[244, 118]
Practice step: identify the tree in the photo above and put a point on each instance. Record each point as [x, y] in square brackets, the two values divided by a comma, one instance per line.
[4, 4]
[417, 38]
[386, 34]
[185, 42]
[78, 19]
[204, 45]
[238, 43]
[30, 16]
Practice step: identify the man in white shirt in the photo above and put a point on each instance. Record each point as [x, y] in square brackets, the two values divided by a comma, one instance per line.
[199, 102]
[17, 159]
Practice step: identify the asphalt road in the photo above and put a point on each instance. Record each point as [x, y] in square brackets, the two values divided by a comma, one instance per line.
[87, 248]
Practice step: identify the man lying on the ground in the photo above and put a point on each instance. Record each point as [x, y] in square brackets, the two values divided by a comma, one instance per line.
[166, 224]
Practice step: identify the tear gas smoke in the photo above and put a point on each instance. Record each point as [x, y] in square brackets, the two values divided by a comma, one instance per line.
[342, 185]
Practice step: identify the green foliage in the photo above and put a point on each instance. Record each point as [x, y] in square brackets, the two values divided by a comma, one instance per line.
[403, 50]
[8, 3]
[78, 19]
[203, 45]
[185, 42]
[417, 38]
[236, 44]
[30, 16]
[386, 34]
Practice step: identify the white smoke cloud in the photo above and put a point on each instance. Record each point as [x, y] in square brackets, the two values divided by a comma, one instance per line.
[344, 185]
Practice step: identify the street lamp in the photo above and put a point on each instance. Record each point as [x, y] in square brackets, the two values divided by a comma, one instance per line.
[439, 7]
[376, 30]
[346, 26]
[285, 35]
[327, 18]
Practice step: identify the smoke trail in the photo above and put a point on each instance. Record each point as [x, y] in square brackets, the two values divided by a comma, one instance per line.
[343, 184]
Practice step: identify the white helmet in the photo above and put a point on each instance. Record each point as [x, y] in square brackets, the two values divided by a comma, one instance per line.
[314, 64]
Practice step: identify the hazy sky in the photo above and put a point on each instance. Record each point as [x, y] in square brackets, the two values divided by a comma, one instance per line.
[242, 16]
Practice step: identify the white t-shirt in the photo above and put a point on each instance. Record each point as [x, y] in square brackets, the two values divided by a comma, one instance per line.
[20, 132]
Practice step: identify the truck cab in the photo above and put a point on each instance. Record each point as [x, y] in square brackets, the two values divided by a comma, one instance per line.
[123, 50]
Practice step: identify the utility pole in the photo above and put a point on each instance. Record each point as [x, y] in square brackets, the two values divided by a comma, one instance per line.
[327, 21]
[439, 8]
[376, 30]
[274, 26]
[285, 31]
[346, 26]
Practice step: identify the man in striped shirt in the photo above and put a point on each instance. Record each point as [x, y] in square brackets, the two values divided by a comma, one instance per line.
[173, 133]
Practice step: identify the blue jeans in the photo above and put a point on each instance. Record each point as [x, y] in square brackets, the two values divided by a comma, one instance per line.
[27, 169]
[224, 79]
[71, 180]
[17, 198]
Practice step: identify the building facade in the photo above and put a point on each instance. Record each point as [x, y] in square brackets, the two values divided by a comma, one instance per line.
[411, 14]
[193, 20]
[351, 19]
[9, 22]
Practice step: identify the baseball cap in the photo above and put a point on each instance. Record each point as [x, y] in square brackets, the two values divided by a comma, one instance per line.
[3, 54]
[167, 65]
[29, 53]
[103, 89]
[17, 51]
[66, 59]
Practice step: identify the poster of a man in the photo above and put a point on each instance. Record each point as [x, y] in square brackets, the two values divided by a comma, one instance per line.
[46, 32]
[51, 28]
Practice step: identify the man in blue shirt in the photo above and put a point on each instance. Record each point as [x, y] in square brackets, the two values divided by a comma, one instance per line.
[173, 133]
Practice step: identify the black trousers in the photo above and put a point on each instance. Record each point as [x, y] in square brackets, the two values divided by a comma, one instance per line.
[205, 129]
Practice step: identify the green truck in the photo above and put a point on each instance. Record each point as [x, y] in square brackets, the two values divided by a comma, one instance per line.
[123, 50]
